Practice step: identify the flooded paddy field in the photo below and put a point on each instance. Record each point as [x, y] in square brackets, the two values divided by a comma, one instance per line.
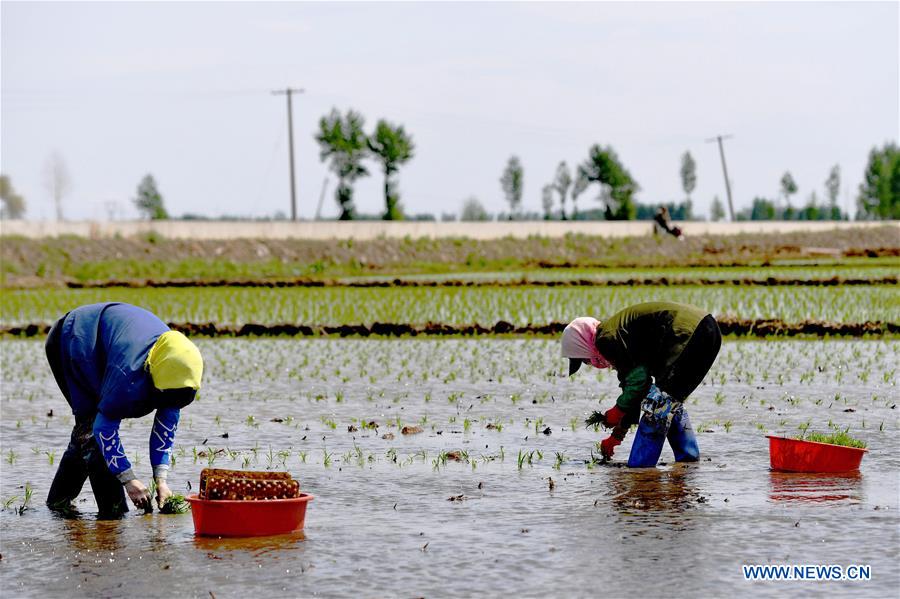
[462, 467]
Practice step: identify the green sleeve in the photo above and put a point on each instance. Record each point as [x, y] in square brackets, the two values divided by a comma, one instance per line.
[635, 385]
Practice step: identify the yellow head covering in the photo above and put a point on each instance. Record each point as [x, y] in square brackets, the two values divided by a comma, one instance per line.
[174, 362]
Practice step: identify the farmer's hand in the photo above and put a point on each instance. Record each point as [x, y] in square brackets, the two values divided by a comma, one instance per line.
[163, 492]
[138, 493]
[608, 446]
[611, 418]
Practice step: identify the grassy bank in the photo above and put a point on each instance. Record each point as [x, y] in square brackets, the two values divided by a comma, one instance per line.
[36, 262]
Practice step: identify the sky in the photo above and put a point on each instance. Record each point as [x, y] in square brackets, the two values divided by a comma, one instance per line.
[183, 91]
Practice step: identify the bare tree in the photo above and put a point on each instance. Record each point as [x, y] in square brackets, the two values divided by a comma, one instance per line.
[717, 210]
[57, 181]
[833, 188]
[688, 174]
[473, 210]
[579, 186]
[788, 188]
[561, 184]
[512, 183]
[547, 200]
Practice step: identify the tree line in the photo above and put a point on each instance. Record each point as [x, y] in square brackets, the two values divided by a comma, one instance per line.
[602, 169]
[878, 197]
[345, 145]
[58, 183]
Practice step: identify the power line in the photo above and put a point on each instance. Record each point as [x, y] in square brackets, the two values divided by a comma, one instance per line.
[288, 91]
[719, 138]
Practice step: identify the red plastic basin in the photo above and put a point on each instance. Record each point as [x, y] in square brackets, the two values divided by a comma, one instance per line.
[796, 455]
[225, 518]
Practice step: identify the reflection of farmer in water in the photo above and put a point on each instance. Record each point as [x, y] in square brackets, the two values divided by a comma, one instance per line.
[114, 361]
[653, 490]
[661, 352]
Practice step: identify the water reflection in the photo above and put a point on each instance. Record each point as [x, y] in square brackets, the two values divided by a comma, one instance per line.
[815, 488]
[89, 535]
[159, 529]
[256, 546]
[655, 490]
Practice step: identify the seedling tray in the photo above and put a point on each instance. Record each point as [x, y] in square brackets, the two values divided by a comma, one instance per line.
[227, 518]
[797, 455]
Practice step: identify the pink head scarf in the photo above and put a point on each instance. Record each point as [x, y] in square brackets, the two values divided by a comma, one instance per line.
[578, 342]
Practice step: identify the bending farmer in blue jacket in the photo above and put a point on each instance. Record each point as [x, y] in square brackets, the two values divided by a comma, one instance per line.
[661, 351]
[114, 361]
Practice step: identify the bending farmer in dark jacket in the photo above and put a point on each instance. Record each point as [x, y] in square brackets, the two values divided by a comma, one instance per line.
[661, 351]
[114, 361]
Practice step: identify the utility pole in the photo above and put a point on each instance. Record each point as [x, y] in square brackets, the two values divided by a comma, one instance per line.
[719, 139]
[288, 91]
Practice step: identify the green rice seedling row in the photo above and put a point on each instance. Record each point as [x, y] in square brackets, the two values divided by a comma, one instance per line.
[873, 269]
[519, 306]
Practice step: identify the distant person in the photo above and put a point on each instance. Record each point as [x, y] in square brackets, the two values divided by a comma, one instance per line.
[661, 352]
[664, 221]
[114, 361]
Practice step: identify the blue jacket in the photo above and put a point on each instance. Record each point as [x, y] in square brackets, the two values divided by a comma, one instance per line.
[104, 348]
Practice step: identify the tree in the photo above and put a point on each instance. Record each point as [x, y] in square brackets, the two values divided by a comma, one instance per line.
[832, 189]
[688, 182]
[788, 188]
[717, 210]
[812, 210]
[473, 210]
[547, 200]
[688, 174]
[616, 184]
[579, 187]
[511, 182]
[561, 184]
[393, 147]
[833, 184]
[13, 203]
[879, 193]
[343, 141]
[57, 181]
[763, 209]
[149, 201]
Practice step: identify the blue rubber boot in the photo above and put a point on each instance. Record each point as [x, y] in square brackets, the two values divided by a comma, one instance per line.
[682, 438]
[656, 415]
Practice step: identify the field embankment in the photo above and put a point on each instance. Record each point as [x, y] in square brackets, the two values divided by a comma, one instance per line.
[838, 282]
[64, 260]
[729, 326]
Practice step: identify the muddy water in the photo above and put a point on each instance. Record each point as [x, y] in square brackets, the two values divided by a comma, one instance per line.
[382, 523]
